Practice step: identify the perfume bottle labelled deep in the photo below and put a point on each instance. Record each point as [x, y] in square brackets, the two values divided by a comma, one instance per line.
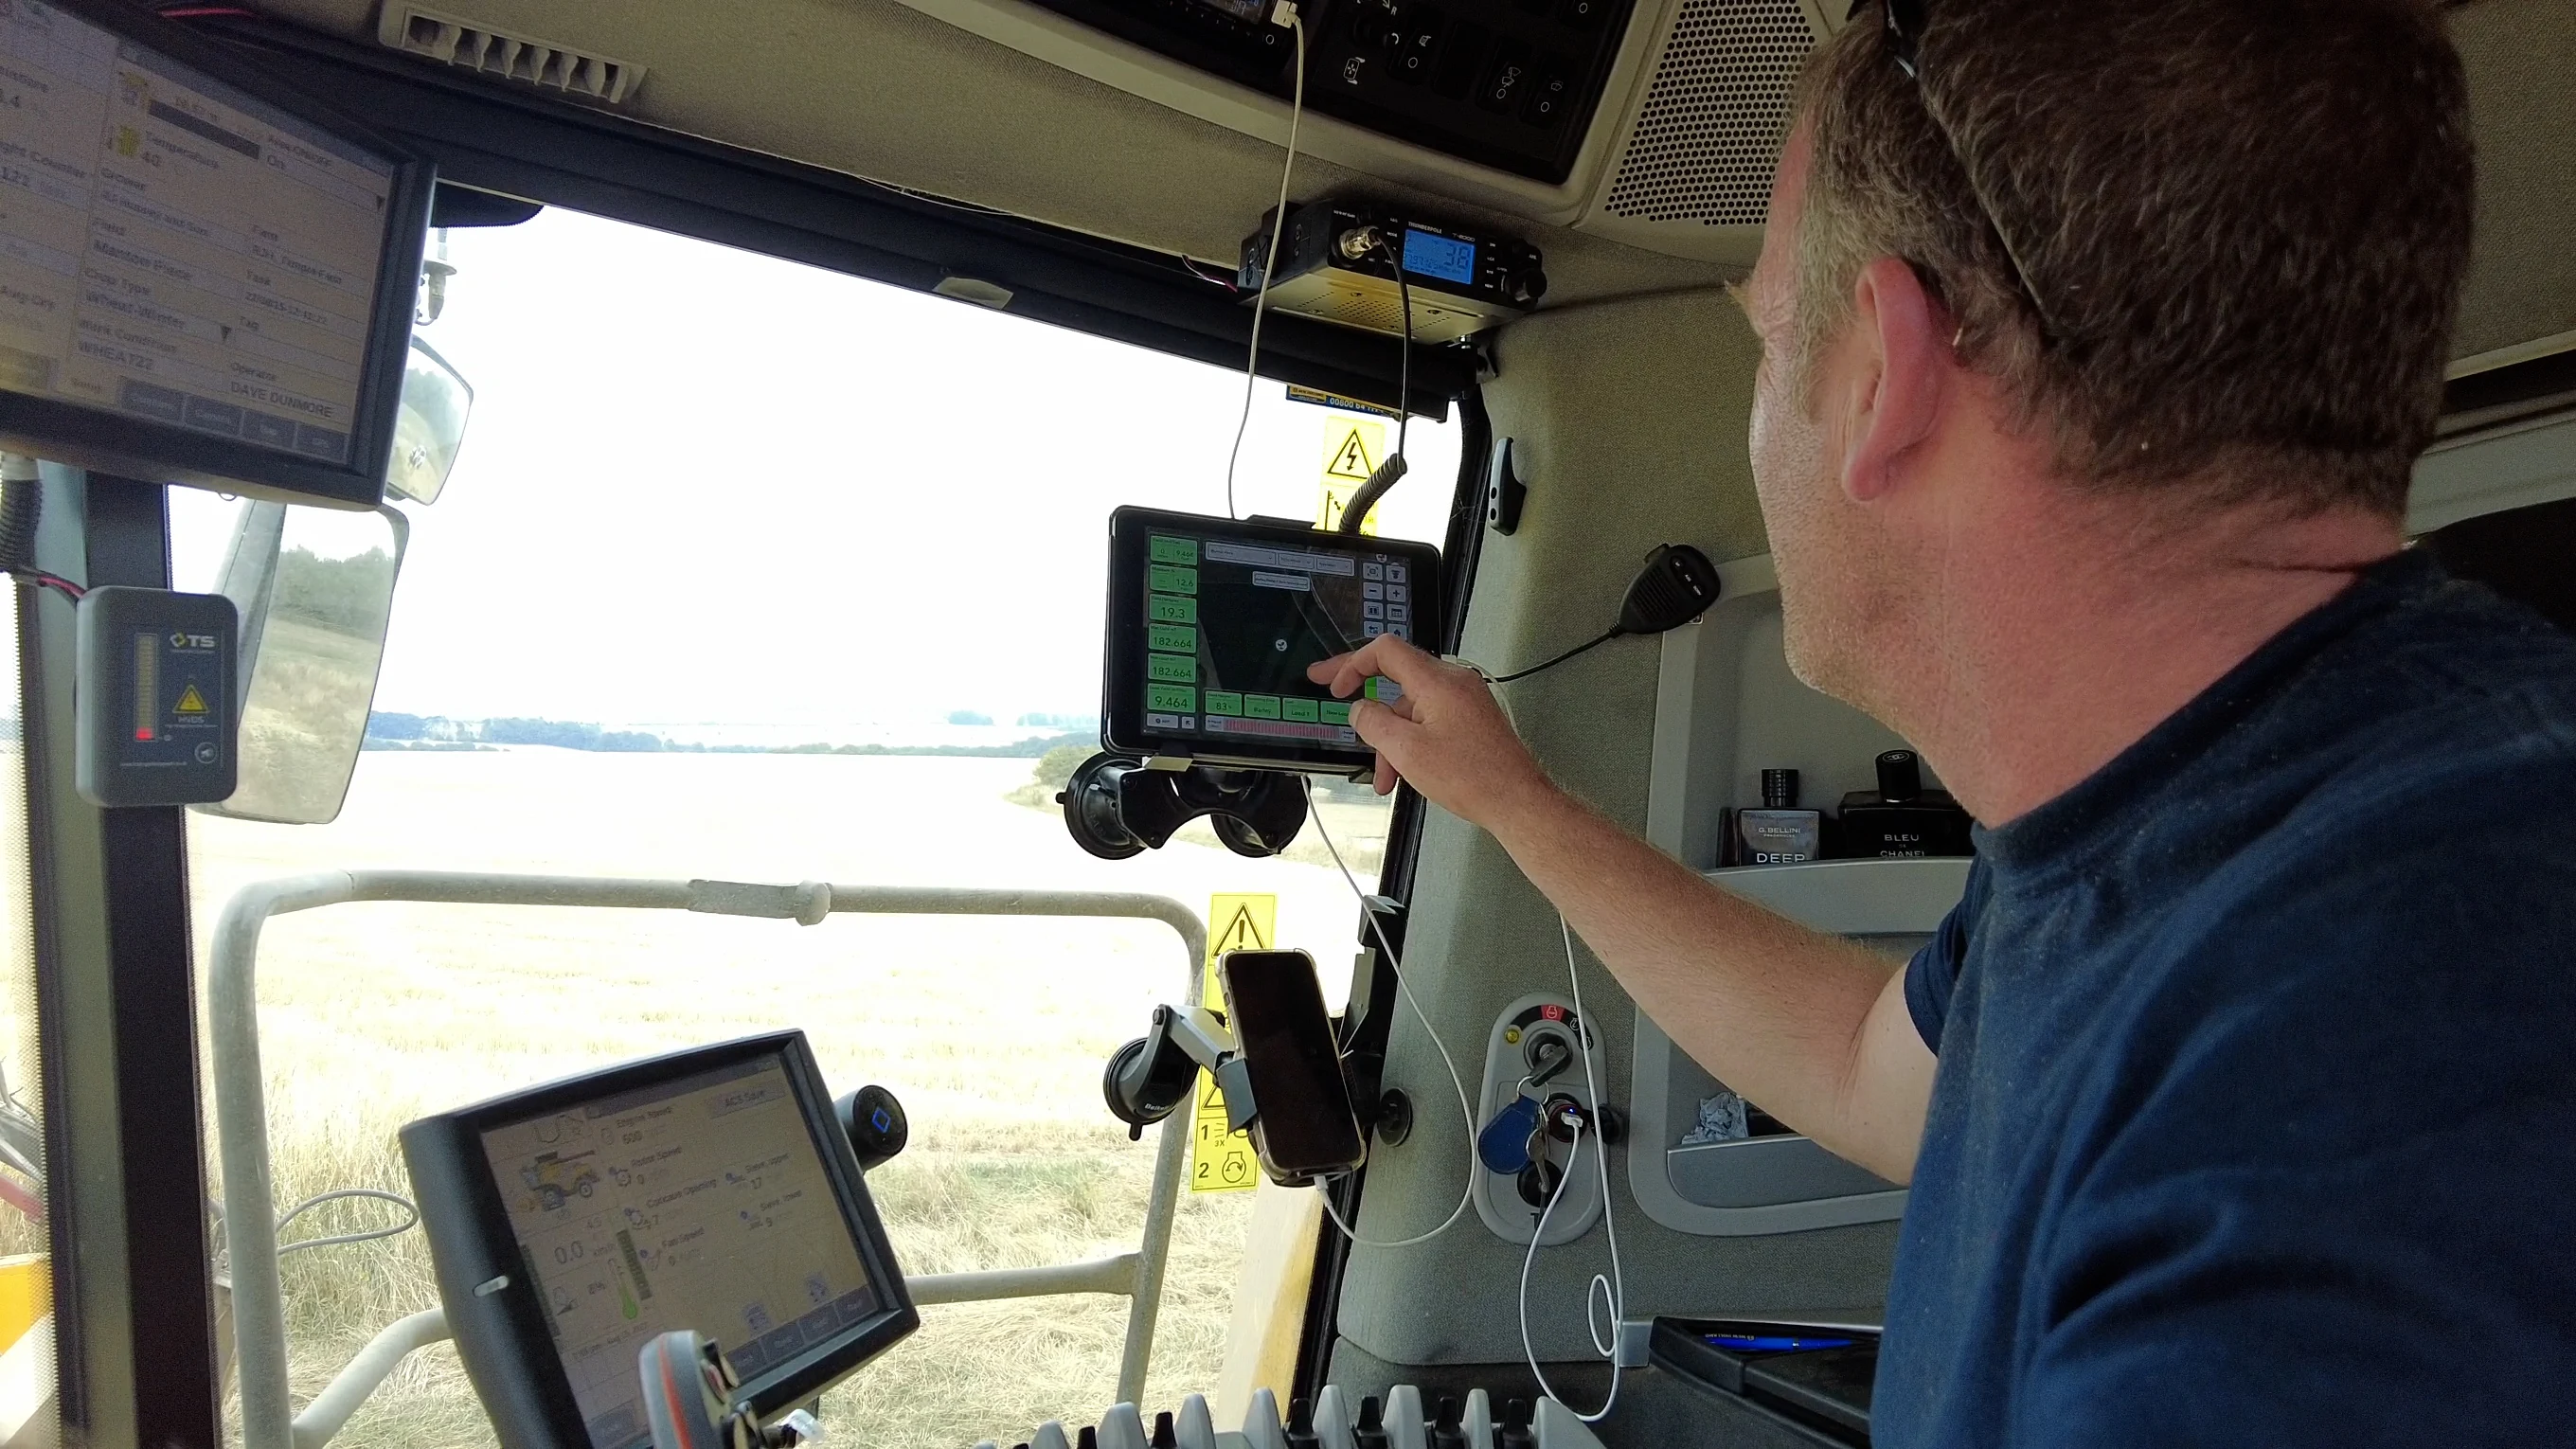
[1901, 819]
[1779, 833]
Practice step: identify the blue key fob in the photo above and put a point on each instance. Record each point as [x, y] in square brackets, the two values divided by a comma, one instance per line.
[1504, 1144]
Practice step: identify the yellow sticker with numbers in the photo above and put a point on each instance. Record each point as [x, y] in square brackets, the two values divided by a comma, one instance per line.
[1222, 1161]
[1353, 447]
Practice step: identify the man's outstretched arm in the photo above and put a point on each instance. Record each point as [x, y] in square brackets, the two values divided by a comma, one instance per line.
[1810, 1026]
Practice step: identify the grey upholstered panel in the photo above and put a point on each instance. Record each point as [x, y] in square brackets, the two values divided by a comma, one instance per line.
[1630, 418]
[2521, 55]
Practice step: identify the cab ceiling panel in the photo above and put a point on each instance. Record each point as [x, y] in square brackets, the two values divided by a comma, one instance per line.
[1158, 122]
[1651, 122]
[875, 89]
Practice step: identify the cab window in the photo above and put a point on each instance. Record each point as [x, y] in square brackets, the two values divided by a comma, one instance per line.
[749, 571]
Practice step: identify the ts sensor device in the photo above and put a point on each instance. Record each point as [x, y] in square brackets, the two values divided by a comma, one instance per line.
[1337, 262]
[1213, 621]
[156, 714]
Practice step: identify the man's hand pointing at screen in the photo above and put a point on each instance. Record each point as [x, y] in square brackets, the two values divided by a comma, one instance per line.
[1444, 735]
[1812, 1027]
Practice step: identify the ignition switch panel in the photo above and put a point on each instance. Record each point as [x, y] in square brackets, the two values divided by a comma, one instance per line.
[156, 712]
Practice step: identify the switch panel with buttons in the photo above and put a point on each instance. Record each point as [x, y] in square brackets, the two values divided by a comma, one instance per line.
[1510, 84]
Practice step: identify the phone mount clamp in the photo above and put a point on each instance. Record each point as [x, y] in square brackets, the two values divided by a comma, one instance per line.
[1118, 807]
[1151, 1077]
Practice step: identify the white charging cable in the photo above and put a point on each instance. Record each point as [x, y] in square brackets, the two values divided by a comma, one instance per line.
[1466, 1113]
[1612, 1286]
[1270, 259]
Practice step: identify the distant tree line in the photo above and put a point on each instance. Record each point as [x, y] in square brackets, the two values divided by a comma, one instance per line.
[1015, 750]
[389, 729]
[1072, 723]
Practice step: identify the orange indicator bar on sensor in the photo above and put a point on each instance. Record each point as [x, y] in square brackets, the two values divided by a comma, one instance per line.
[147, 685]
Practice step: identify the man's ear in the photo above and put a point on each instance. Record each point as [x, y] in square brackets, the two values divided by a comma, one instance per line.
[1901, 352]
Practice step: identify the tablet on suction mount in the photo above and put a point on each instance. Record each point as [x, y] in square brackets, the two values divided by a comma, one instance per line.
[710, 1190]
[1212, 623]
[204, 276]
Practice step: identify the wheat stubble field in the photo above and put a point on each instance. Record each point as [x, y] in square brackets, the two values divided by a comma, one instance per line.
[993, 1032]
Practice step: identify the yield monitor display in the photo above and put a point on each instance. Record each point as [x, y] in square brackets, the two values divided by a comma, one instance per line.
[203, 278]
[1212, 623]
[709, 1190]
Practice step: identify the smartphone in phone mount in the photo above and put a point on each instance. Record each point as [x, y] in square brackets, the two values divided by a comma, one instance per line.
[1304, 1128]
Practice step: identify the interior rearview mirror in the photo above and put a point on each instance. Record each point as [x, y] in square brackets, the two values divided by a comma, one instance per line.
[315, 590]
[430, 427]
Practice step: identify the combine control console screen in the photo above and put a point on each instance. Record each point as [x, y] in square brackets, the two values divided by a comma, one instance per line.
[199, 278]
[706, 1191]
[697, 1204]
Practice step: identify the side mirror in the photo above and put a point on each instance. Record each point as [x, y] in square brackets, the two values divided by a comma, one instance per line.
[436, 400]
[315, 590]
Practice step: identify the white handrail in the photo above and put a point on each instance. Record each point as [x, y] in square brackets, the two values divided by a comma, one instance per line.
[331, 1409]
[241, 1108]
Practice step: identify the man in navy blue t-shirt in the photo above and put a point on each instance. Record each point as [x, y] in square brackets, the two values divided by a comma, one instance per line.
[2238, 1096]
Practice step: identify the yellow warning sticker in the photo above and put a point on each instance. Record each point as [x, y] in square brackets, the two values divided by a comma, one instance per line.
[1353, 447]
[190, 701]
[1298, 392]
[1222, 1161]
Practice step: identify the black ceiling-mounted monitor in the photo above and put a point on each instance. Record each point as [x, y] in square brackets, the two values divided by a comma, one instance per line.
[204, 278]
[710, 1190]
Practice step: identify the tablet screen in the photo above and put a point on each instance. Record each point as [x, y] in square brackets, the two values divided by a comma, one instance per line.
[1213, 624]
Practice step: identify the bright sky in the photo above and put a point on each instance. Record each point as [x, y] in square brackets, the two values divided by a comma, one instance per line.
[703, 485]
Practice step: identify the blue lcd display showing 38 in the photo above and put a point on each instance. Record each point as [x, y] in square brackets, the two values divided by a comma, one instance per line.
[1439, 256]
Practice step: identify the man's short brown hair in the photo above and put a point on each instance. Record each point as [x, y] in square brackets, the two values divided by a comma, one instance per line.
[2243, 225]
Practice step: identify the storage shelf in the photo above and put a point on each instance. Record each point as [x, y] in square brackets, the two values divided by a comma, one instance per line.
[1727, 708]
[1855, 897]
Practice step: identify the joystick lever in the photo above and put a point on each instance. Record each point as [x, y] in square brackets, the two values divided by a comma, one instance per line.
[689, 1403]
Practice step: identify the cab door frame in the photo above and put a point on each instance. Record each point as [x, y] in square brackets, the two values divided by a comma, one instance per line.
[126, 1189]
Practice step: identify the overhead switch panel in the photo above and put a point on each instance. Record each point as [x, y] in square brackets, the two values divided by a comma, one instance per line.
[1653, 123]
[1510, 84]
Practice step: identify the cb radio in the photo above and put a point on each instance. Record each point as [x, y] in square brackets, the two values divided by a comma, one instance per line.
[1338, 259]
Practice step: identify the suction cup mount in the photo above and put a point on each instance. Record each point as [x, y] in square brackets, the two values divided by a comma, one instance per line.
[1153, 1076]
[1118, 807]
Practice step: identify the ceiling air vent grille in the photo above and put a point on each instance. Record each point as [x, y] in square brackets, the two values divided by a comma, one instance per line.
[455, 41]
[1709, 134]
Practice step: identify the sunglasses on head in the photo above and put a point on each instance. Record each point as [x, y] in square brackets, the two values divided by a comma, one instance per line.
[1904, 27]
[1901, 27]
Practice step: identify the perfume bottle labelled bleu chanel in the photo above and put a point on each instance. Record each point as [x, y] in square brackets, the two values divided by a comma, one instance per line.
[1779, 833]
[1901, 819]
